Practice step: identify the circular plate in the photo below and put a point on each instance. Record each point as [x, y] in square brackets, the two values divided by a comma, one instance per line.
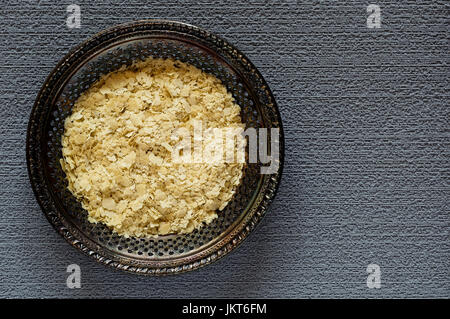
[105, 52]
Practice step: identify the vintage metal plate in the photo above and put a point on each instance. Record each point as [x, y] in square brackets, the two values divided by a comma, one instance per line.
[106, 52]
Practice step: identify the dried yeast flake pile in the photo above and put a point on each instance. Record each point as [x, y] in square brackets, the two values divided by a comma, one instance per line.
[117, 149]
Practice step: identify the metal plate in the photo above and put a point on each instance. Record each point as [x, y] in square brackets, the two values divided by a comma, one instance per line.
[104, 53]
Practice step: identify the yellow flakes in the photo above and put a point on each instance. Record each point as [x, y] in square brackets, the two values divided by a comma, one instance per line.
[109, 203]
[118, 144]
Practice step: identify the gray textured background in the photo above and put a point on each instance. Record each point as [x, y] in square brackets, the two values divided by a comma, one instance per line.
[366, 179]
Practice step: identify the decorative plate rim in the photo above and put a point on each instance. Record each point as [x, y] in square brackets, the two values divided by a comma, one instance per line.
[85, 244]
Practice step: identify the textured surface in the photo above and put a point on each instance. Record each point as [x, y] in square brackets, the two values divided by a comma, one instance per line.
[366, 179]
